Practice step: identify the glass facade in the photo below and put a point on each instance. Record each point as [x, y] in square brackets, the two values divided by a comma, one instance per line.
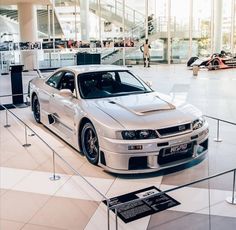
[202, 23]
[176, 30]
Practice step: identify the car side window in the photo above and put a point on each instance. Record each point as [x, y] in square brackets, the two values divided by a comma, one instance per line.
[54, 80]
[67, 82]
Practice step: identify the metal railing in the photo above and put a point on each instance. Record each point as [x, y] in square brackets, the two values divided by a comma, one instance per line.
[13, 95]
[116, 7]
[218, 139]
[54, 177]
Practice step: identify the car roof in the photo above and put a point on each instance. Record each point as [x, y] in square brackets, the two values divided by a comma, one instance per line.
[93, 68]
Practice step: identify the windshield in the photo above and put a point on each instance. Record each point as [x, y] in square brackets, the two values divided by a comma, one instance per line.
[110, 84]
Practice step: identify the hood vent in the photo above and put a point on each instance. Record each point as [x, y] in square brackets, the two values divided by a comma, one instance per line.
[151, 109]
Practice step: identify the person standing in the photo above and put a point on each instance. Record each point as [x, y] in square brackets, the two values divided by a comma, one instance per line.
[146, 53]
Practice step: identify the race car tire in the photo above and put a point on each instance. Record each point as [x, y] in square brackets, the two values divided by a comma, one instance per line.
[215, 64]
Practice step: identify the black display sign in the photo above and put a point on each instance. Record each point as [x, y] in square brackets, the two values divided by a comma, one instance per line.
[141, 208]
[29, 45]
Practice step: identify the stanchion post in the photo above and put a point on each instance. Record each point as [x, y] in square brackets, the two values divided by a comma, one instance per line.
[54, 176]
[232, 200]
[6, 125]
[26, 142]
[116, 219]
[217, 139]
[108, 214]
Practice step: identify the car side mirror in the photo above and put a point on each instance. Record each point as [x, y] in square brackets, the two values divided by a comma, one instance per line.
[149, 83]
[65, 93]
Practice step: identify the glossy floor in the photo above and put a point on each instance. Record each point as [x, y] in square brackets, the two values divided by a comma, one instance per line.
[29, 200]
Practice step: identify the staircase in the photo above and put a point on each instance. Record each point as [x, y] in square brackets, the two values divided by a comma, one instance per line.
[159, 32]
[137, 32]
[113, 11]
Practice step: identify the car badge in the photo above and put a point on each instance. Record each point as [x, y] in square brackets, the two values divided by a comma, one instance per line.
[181, 127]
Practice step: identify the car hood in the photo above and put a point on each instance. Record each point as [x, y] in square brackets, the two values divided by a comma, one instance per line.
[145, 111]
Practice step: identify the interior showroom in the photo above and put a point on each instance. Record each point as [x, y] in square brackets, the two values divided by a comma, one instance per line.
[117, 115]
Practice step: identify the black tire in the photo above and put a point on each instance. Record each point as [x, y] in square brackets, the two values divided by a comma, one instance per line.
[191, 61]
[214, 64]
[89, 143]
[36, 109]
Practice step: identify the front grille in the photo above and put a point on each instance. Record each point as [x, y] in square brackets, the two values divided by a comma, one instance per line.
[174, 130]
[175, 153]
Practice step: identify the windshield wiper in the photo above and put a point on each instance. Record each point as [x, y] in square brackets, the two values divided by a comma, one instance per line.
[138, 92]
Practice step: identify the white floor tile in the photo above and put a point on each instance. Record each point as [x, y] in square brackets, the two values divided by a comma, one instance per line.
[39, 182]
[78, 188]
[9, 177]
[198, 200]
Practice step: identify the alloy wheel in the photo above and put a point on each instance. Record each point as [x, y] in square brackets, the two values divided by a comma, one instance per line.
[90, 145]
[36, 109]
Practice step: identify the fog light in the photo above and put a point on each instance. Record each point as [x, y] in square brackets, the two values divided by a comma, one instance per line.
[135, 147]
[194, 137]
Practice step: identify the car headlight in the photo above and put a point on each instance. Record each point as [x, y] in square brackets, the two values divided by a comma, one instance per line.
[198, 123]
[139, 134]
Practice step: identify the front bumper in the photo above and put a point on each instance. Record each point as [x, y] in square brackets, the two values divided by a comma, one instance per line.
[156, 154]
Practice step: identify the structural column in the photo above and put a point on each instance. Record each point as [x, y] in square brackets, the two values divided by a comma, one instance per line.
[169, 32]
[84, 16]
[123, 28]
[232, 26]
[76, 38]
[27, 17]
[217, 39]
[100, 22]
[146, 19]
[190, 29]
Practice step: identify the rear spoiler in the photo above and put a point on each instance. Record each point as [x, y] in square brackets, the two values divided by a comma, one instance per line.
[39, 73]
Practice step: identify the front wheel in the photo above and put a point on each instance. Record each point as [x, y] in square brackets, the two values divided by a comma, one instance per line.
[89, 142]
[214, 64]
[36, 109]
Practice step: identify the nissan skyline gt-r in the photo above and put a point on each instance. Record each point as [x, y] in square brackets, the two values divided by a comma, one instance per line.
[222, 60]
[116, 120]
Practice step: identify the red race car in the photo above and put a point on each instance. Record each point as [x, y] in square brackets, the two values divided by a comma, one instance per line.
[220, 60]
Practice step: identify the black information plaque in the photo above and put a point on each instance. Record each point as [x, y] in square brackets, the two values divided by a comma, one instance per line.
[141, 208]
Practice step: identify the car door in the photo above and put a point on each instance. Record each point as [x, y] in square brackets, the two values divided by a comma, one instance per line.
[63, 108]
[46, 92]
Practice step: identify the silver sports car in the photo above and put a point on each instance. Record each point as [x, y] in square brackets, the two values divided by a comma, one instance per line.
[116, 120]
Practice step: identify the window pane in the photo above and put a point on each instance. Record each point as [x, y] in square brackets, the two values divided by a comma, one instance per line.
[54, 80]
[201, 28]
[127, 78]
